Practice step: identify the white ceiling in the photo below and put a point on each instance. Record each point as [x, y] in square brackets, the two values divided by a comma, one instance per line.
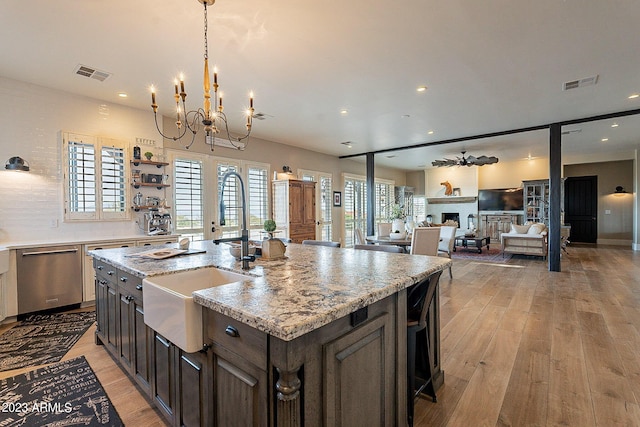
[489, 66]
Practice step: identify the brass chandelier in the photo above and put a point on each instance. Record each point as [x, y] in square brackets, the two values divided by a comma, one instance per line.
[212, 121]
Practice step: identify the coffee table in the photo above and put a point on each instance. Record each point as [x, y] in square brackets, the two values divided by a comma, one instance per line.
[472, 242]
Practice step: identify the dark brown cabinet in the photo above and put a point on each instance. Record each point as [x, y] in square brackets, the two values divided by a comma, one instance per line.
[239, 368]
[163, 386]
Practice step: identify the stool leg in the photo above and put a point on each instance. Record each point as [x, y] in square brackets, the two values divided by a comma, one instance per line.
[411, 374]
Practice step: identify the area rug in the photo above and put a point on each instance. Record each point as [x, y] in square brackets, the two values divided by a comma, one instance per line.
[490, 255]
[42, 338]
[63, 394]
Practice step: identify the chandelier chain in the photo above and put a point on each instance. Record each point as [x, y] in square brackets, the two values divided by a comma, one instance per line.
[206, 26]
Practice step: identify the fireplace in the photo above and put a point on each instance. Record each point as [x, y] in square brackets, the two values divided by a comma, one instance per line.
[453, 216]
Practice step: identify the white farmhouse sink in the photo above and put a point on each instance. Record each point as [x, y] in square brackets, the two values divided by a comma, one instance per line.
[169, 308]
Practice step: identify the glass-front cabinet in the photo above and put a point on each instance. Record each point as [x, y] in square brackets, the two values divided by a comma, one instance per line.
[536, 201]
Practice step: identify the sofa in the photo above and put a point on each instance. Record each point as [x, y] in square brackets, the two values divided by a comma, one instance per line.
[527, 239]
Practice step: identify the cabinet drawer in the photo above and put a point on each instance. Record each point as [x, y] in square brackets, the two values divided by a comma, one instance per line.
[105, 270]
[241, 339]
[503, 218]
[130, 283]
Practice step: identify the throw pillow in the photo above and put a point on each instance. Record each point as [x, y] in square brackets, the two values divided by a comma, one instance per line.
[520, 229]
[536, 228]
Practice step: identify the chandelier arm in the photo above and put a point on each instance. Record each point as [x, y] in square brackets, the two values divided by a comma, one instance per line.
[194, 125]
[193, 139]
[233, 139]
[174, 138]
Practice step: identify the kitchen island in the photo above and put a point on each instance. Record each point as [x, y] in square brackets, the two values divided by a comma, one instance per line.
[316, 338]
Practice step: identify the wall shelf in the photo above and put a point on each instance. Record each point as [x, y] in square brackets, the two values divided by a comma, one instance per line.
[150, 184]
[148, 162]
[451, 199]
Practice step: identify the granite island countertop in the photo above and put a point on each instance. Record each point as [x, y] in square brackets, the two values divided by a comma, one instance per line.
[311, 287]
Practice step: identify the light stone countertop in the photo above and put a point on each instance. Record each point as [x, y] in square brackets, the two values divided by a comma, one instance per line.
[288, 298]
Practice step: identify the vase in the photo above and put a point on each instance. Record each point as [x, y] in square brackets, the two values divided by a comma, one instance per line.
[397, 225]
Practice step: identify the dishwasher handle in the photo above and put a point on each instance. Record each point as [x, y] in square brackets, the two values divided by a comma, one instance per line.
[52, 252]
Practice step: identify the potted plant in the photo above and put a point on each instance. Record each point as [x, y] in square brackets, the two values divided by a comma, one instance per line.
[270, 227]
[397, 217]
[148, 155]
[272, 248]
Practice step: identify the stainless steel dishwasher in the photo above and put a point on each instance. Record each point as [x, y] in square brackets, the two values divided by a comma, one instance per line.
[49, 277]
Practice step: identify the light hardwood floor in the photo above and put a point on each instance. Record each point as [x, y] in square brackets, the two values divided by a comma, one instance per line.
[521, 346]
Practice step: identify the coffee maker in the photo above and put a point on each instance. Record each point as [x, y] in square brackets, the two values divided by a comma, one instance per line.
[157, 223]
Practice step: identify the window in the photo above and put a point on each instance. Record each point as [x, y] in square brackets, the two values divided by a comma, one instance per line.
[256, 180]
[324, 205]
[355, 204]
[258, 195]
[95, 178]
[188, 198]
[355, 208]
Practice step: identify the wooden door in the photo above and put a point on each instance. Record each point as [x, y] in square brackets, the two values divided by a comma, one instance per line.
[361, 361]
[193, 392]
[296, 203]
[240, 391]
[309, 203]
[581, 208]
[164, 376]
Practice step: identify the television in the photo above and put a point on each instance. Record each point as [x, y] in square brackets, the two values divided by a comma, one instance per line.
[501, 199]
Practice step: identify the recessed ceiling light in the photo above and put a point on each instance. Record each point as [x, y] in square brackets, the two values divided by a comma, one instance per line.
[344, 111]
[421, 88]
[347, 144]
[634, 96]
[614, 125]
[430, 132]
[604, 139]
[122, 95]
[391, 156]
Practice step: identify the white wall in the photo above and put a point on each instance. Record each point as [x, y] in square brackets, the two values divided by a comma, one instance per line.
[31, 118]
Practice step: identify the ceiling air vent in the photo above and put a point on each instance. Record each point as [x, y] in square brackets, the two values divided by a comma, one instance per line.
[92, 73]
[587, 81]
[259, 116]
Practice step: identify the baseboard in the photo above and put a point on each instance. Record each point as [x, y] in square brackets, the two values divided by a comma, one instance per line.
[635, 246]
[615, 242]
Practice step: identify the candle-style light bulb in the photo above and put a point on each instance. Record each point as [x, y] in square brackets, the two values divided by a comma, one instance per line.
[175, 83]
[220, 102]
[181, 83]
[153, 95]
[251, 99]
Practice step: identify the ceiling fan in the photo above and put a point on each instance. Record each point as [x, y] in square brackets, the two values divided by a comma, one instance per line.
[466, 161]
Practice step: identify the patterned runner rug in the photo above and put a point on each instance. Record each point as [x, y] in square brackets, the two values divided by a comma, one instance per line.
[42, 338]
[62, 394]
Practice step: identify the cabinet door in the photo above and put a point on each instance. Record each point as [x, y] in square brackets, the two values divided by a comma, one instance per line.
[111, 332]
[240, 394]
[164, 376]
[361, 361]
[125, 325]
[193, 390]
[142, 336]
[101, 307]
[309, 202]
[296, 203]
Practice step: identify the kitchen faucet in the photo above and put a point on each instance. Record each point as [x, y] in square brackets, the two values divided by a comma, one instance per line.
[244, 238]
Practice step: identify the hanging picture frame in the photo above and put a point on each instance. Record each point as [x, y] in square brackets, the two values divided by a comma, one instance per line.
[337, 198]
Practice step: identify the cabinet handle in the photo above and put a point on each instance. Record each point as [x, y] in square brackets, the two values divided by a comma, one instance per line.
[123, 279]
[110, 273]
[99, 267]
[231, 331]
[103, 282]
[139, 287]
